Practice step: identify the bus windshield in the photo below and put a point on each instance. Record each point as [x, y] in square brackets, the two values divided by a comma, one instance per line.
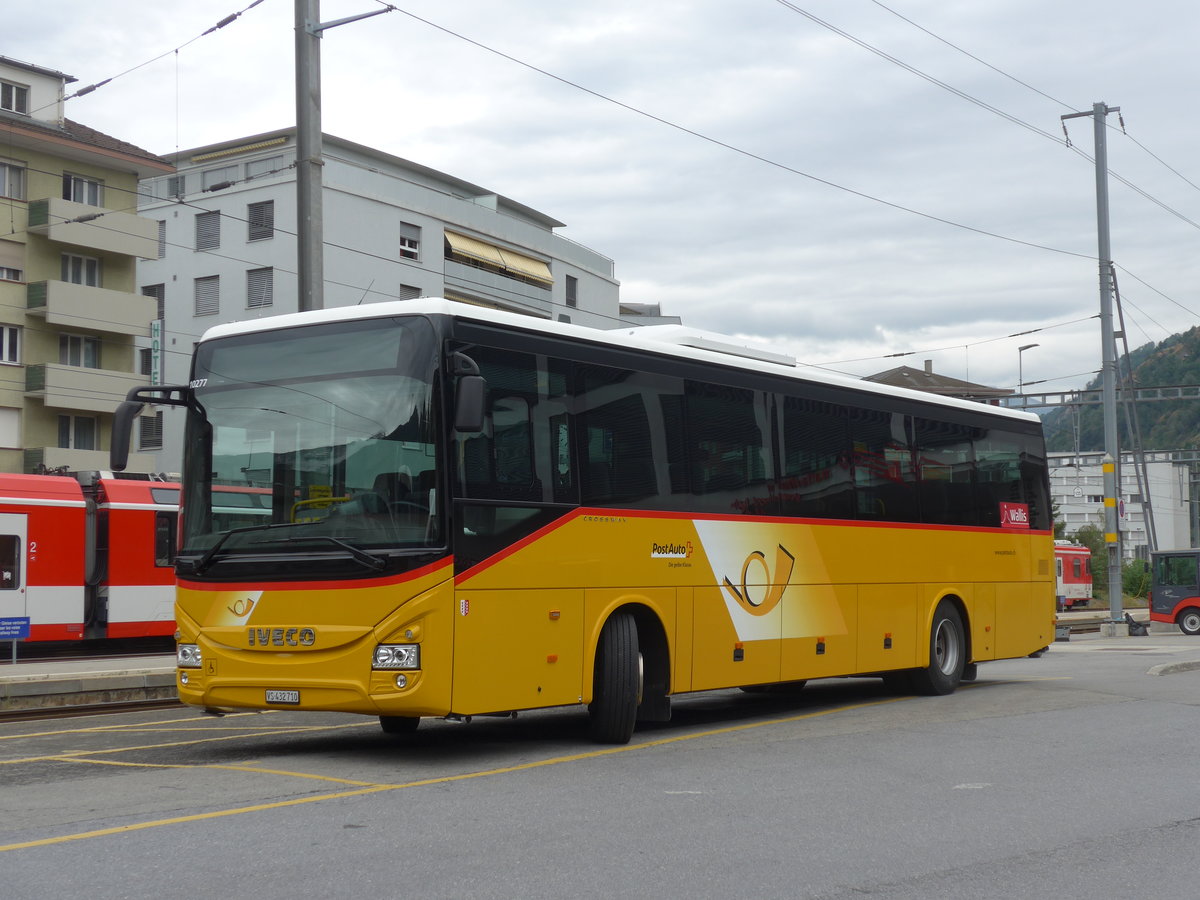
[314, 440]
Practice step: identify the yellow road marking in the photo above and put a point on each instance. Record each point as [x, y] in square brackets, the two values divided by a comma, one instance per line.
[73, 755]
[444, 779]
[132, 726]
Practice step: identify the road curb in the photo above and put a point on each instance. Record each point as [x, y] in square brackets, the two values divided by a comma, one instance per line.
[1173, 668]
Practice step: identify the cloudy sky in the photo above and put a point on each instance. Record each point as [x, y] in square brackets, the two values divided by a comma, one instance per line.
[843, 179]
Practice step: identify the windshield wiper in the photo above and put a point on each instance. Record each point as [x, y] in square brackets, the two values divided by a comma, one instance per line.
[360, 555]
[210, 556]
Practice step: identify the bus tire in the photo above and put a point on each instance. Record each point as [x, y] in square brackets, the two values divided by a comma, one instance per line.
[399, 724]
[616, 683]
[947, 654]
[1189, 620]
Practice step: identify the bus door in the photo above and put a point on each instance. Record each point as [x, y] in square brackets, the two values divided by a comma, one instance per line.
[1176, 579]
[13, 574]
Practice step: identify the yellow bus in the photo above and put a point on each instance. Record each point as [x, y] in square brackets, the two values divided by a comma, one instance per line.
[468, 512]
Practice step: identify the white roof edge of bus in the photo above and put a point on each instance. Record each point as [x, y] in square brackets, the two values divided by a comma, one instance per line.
[749, 357]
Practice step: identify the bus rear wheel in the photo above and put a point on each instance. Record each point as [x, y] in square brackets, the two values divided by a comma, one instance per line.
[399, 724]
[616, 687]
[1189, 620]
[947, 654]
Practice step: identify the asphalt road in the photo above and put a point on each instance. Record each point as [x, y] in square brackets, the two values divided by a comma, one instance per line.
[1066, 776]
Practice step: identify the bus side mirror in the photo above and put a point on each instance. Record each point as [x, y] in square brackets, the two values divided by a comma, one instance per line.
[468, 406]
[118, 452]
[131, 408]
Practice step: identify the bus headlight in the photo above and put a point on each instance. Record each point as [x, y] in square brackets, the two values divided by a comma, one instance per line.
[187, 656]
[397, 656]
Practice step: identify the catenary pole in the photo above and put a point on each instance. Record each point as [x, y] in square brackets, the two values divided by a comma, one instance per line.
[1108, 370]
[310, 237]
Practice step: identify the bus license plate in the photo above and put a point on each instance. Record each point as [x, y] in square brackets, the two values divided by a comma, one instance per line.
[283, 697]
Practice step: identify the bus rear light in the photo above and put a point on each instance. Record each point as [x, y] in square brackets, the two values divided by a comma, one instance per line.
[397, 656]
[187, 656]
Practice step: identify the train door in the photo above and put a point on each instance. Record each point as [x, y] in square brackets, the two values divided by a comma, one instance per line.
[13, 571]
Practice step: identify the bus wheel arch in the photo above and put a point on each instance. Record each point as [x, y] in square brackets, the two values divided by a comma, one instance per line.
[949, 650]
[631, 674]
[1189, 620]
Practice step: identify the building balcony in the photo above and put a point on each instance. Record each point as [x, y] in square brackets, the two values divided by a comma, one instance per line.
[104, 230]
[81, 307]
[49, 459]
[507, 293]
[79, 388]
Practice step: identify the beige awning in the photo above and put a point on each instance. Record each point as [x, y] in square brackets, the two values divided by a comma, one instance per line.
[521, 264]
[474, 249]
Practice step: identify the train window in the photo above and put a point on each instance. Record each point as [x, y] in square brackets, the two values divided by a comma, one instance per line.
[164, 538]
[10, 562]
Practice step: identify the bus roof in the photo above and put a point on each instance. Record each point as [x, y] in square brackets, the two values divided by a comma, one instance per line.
[674, 341]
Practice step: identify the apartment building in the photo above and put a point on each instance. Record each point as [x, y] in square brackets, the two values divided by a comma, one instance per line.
[69, 305]
[1077, 491]
[393, 229]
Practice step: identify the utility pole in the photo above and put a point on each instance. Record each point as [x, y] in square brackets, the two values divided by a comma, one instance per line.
[310, 236]
[1108, 369]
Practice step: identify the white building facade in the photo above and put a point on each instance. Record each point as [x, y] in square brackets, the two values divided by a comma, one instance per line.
[1077, 488]
[393, 229]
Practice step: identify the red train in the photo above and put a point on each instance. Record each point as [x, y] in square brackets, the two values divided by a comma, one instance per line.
[1073, 574]
[88, 558]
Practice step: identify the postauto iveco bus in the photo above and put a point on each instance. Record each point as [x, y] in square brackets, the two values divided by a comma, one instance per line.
[473, 512]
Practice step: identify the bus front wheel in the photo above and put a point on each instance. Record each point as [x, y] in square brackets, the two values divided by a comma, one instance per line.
[616, 684]
[947, 654]
[399, 724]
[1189, 621]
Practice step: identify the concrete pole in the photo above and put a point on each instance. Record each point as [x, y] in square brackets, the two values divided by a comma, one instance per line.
[1108, 368]
[310, 238]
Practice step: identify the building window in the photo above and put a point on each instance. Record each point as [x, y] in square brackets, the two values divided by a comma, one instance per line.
[14, 97]
[12, 180]
[77, 433]
[572, 290]
[7, 274]
[258, 167]
[208, 295]
[81, 269]
[208, 230]
[213, 177]
[79, 350]
[260, 289]
[176, 185]
[151, 428]
[410, 241]
[10, 345]
[409, 292]
[261, 220]
[159, 293]
[82, 190]
[162, 238]
[145, 360]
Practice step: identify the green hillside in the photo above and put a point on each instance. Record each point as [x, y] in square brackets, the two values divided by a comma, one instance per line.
[1165, 425]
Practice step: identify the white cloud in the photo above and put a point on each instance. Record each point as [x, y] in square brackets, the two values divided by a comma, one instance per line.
[731, 243]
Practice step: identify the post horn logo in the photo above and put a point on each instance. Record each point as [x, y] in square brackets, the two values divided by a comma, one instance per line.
[770, 589]
[241, 608]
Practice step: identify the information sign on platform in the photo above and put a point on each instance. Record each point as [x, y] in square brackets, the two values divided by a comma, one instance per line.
[14, 629]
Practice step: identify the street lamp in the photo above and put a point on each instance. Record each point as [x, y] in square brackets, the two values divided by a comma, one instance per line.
[1020, 368]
